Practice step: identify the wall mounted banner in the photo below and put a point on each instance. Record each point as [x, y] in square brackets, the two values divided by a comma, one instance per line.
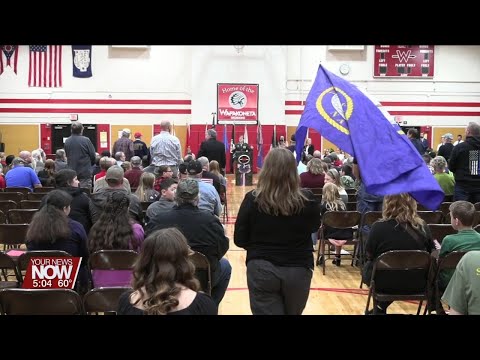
[237, 103]
[82, 61]
[403, 61]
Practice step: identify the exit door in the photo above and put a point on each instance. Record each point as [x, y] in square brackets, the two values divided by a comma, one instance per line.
[61, 132]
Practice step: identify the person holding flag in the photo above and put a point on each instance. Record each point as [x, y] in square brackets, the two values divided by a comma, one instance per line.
[348, 118]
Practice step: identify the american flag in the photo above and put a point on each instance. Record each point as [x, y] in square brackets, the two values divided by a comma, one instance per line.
[45, 66]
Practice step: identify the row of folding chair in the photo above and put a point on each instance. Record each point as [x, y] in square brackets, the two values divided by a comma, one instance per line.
[59, 301]
[100, 260]
[43, 189]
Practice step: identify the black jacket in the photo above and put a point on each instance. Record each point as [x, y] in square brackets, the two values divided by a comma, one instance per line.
[80, 207]
[203, 230]
[98, 199]
[281, 240]
[213, 150]
[445, 150]
[464, 162]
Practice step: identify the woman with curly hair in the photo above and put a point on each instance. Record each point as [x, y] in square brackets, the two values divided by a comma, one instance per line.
[399, 229]
[163, 280]
[114, 230]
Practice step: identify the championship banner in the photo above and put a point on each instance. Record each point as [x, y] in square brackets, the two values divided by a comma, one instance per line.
[237, 103]
[82, 61]
[52, 272]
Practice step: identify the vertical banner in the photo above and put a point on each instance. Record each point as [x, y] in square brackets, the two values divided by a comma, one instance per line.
[10, 51]
[237, 103]
[82, 61]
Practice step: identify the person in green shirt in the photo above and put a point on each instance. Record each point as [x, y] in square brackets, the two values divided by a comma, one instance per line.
[463, 291]
[445, 179]
[462, 214]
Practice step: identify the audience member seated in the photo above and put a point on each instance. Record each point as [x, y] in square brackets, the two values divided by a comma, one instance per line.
[207, 176]
[462, 215]
[145, 191]
[114, 180]
[21, 175]
[164, 280]
[445, 180]
[52, 229]
[60, 160]
[347, 180]
[133, 175]
[463, 290]
[166, 201]
[66, 180]
[332, 176]
[314, 177]
[203, 231]
[114, 230]
[101, 182]
[47, 174]
[331, 201]
[399, 229]
[209, 197]
[162, 172]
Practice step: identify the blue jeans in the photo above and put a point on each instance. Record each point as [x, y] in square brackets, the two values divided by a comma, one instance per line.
[462, 194]
[220, 280]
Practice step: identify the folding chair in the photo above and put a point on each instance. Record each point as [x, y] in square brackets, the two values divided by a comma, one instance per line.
[44, 189]
[439, 231]
[40, 302]
[36, 196]
[24, 259]
[20, 189]
[339, 220]
[103, 299]
[202, 271]
[21, 216]
[431, 217]
[3, 218]
[6, 205]
[14, 196]
[400, 275]
[104, 262]
[12, 235]
[367, 220]
[8, 264]
[30, 204]
[448, 262]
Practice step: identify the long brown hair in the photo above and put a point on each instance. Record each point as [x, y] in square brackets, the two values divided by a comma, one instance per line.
[402, 208]
[278, 189]
[163, 265]
[113, 230]
[50, 223]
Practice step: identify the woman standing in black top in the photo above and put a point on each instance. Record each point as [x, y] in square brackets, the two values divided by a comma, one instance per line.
[163, 280]
[399, 229]
[274, 225]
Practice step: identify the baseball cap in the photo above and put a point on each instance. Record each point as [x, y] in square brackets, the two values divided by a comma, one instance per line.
[138, 134]
[114, 172]
[187, 189]
[448, 136]
[194, 167]
[126, 131]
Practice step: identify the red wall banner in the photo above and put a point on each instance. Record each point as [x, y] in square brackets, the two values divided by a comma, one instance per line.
[237, 103]
[403, 61]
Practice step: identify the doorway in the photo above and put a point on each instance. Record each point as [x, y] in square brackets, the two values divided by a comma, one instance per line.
[60, 132]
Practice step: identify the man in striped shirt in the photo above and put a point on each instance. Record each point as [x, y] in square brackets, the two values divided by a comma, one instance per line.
[165, 148]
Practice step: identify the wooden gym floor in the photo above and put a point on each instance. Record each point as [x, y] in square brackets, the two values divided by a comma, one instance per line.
[335, 293]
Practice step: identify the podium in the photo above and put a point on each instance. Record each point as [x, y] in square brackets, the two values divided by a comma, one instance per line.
[243, 166]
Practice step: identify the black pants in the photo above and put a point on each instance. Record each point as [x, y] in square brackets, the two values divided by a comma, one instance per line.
[277, 290]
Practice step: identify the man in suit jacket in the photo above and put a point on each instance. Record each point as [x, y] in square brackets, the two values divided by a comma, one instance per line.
[213, 149]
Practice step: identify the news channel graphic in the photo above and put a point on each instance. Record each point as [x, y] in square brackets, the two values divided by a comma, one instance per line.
[54, 272]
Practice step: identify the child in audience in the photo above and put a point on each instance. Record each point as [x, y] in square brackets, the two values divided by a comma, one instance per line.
[145, 191]
[114, 230]
[164, 280]
[331, 201]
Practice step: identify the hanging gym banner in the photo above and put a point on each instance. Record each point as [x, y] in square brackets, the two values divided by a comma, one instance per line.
[237, 103]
